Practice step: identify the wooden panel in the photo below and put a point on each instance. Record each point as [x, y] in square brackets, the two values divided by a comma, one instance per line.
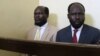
[40, 48]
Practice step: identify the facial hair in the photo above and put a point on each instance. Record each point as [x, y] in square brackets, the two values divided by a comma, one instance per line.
[41, 23]
[76, 26]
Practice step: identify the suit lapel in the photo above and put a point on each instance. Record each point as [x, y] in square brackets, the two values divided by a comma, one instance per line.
[34, 32]
[31, 33]
[68, 34]
[83, 35]
[44, 36]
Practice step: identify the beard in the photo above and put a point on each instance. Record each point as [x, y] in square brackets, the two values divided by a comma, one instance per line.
[41, 23]
[77, 25]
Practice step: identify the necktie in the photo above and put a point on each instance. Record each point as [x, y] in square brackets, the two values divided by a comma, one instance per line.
[74, 38]
[37, 35]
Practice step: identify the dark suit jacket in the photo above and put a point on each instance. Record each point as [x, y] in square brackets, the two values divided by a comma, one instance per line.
[89, 35]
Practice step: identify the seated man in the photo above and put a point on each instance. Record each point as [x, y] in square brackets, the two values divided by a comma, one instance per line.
[42, 31]
[78, 32]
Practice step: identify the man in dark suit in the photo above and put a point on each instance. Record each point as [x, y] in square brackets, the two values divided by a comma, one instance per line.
[78, 32]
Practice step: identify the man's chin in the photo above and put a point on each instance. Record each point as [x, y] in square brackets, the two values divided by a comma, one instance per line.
[37, 24]
[76, 26]
[40, 23]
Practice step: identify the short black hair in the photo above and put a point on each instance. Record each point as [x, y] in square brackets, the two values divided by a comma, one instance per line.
[74, 4]
[46, 9]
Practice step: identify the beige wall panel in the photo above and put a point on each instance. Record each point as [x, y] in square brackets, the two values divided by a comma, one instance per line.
[16, 18]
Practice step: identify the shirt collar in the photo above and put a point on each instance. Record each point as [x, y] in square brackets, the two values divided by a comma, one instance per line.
[45, 25]
[79, 29]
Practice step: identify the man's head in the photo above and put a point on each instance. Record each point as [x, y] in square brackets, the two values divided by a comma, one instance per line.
[76, 14]
[41, 14]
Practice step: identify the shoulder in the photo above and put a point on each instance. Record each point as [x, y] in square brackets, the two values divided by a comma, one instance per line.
[90, 28]
[32, 29]
[52, 27]
[65, 29]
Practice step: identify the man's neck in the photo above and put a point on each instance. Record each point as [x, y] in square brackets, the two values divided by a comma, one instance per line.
[77, 28]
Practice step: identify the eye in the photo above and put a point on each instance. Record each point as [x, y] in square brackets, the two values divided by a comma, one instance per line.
[38, 13]
[72, 14]
[81, 13]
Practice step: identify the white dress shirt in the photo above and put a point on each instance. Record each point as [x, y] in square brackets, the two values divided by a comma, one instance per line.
[78, 32]
[42, 29]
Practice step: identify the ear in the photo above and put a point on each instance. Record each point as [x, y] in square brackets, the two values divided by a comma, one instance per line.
[46, 15]
[68, 15]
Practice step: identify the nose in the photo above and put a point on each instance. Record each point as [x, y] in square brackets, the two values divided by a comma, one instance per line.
[36, 15]
[77, 16]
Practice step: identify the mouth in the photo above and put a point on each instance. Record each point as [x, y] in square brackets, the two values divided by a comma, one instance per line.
[37, 19]
[77, 22]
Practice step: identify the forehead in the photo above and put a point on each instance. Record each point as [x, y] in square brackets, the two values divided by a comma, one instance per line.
[75, 8]
[39, 9]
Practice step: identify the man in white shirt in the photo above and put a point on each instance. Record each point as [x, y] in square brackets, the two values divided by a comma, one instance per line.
[46, 31]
